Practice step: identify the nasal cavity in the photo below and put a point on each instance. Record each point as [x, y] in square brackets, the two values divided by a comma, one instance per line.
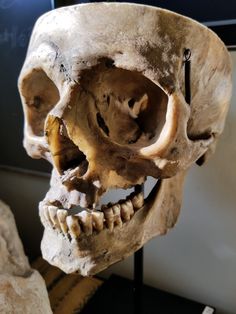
[65, 154]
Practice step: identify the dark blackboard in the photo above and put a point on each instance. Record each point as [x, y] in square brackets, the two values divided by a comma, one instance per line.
[17, 18]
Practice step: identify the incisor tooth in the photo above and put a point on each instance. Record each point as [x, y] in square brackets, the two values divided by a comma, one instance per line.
[45, 216]
[127, 210]
[138, 201]
[116, 212]
[98, 218]
[109, 218]
[61, 215]
[52, 210]
[85, 219]
[73, 225]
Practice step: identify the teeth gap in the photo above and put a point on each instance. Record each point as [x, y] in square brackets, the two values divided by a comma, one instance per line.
[115, 195]
[73, 221]
[149, 185]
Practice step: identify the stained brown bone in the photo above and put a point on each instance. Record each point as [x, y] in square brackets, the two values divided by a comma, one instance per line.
[88, 49]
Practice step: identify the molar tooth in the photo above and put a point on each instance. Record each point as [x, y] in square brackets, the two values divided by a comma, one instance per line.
[138, 201]
[52, 210]
[61, 216]
[85, 219]
[131, 208]
[116, 211]
[73, 225]
[127, 210]
[98, 218]
[109, 218]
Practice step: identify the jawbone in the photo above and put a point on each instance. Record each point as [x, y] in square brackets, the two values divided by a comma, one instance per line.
[70, 244]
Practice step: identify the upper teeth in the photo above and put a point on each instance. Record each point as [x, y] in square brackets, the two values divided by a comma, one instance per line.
[87, 222]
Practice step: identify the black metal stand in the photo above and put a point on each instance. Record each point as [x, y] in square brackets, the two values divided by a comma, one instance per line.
[138, 281]
[61, 3]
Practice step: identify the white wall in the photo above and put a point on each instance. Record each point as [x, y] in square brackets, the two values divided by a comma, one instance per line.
[197, 259]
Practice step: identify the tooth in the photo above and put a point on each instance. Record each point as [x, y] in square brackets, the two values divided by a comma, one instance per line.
[116, 212]
[127, 210]
[61, 216]
[109, 218]
[73, 225]
[138, 201]
[85, 219]
[52, 210]
[45, 216]
[98, 218]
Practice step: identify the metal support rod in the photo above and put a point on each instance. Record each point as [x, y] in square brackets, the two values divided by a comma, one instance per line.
[187, 75]
[61, 3]
[138, 271]
[138, 281]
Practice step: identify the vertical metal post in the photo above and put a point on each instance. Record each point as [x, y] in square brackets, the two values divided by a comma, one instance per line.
[138, 281]
[61, 3]
[138, 271]
[187, 75]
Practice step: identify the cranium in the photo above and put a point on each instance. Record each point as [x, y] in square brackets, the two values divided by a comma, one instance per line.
[103, 91]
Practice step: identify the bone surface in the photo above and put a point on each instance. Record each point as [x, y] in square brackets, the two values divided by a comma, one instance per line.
[103, 92]
[22, 289]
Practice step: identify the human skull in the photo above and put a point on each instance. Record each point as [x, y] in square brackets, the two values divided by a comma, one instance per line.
[103, 89]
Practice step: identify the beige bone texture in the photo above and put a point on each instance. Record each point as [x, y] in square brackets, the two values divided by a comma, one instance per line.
[103, 89]
[22, 289]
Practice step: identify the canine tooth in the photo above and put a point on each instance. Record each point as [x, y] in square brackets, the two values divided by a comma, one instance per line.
[138, 201]
[85, 219]
[109, 218]
[98, 218]
[52, 210]
[127, 210]
[116, 212]
[73, 225]
[61, 216]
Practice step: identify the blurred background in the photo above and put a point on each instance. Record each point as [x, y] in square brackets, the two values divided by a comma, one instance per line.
[197, 259]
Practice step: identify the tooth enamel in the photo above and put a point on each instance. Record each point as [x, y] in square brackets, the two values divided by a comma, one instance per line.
[98, 218]
[109, 218]
[45, 216]
[73, 225]
[116, 211]
[85, 219]
[127, 210]
[61, 215]
[52, 210]
[138, 201]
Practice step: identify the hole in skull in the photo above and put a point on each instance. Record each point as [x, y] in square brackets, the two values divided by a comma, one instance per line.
[131, 108]
[109, 63]
[131, 103]
[102, 124]
[202, 136]
[40, 95]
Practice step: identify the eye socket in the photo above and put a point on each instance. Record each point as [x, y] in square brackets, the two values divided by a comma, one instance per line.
[40, 95]
[130, 108]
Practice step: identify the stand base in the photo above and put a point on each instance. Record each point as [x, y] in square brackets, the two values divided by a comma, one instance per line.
[116, 296]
